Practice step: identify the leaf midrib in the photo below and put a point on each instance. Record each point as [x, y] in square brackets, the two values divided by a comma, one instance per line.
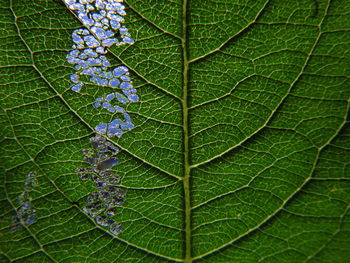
[185, 117]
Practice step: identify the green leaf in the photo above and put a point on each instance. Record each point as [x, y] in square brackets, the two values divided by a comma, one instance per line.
[241, 150]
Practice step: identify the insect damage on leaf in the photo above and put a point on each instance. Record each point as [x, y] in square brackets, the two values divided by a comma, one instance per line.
[101, 204]
[103, 20]
[26, 213]
[103, 28]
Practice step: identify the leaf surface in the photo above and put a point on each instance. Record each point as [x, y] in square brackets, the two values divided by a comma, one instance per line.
[241, 150]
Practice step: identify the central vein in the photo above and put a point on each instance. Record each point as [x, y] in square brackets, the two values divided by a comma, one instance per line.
[185, 116]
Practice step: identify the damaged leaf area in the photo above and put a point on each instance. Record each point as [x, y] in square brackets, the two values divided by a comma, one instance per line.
[218, 131]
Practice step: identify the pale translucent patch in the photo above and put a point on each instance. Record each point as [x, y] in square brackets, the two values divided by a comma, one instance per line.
[26, 214]
[102, 203]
